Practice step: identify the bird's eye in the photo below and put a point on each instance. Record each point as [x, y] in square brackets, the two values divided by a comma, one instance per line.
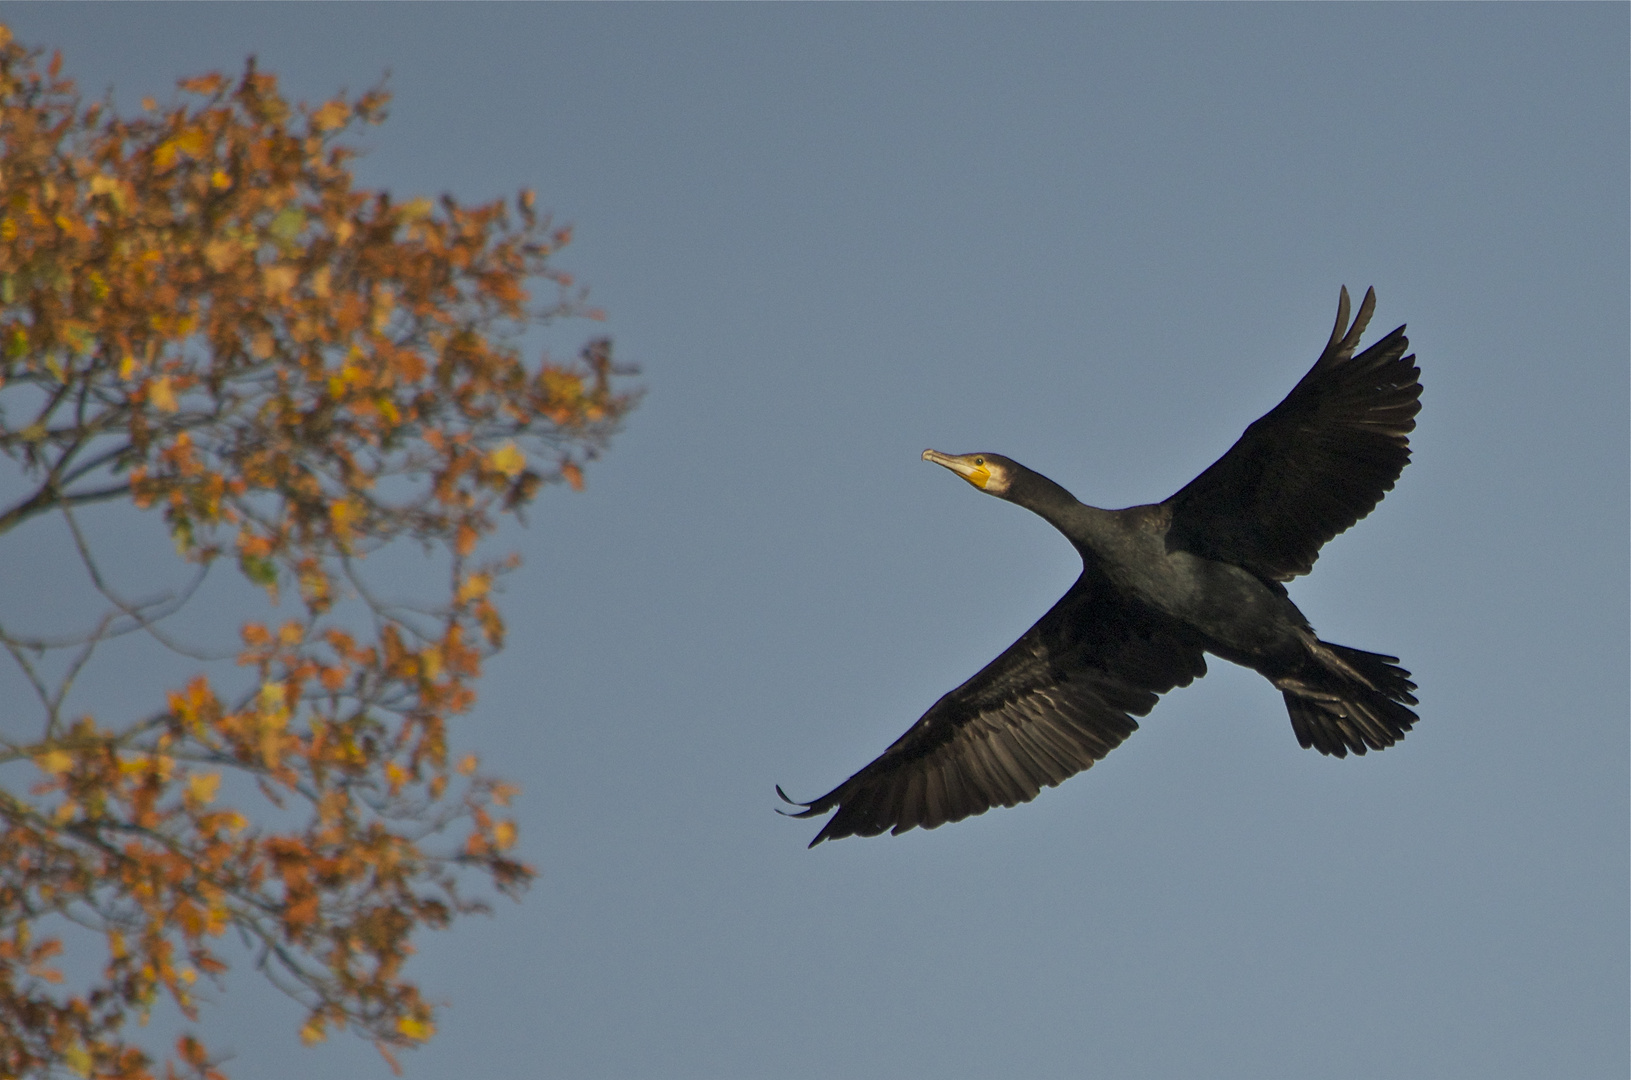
[979, 461]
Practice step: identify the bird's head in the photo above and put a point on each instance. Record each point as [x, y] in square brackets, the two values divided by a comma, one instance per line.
[991, 473]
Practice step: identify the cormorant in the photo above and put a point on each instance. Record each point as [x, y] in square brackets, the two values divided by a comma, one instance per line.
[1161, 586]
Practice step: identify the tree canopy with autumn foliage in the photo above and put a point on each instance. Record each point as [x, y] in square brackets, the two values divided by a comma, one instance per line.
[204, 317]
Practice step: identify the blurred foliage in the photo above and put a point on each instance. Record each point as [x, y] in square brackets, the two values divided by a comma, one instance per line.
[202, 315]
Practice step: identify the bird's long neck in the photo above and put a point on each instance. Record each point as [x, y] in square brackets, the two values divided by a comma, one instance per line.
[1084, 525]
[1046, 499]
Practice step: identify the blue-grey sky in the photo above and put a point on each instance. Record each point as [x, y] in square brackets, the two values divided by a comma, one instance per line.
[1101, 240]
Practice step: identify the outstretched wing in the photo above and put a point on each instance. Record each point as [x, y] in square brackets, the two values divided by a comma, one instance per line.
[1053, 703]
[1313, 465]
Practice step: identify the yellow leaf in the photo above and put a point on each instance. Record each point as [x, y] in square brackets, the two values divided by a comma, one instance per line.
[345, 514]
[330, 116]
[467, 765]
[219, 180]
[201, 787]
[192, 142]
[507, 459]
[415, 1028]
[314, 1031]
[430, 662]
[162, 395]
[475, 587]
[271, 699]
[55, 762]
[287, 225]
[504, 835]
[77, 1059]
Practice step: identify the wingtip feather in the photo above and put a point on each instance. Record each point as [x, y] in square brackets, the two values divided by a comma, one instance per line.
[1342, 320]
[806, 809]
[1367, 307]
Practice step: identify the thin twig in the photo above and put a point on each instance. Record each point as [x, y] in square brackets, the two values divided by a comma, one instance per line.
[143, 620]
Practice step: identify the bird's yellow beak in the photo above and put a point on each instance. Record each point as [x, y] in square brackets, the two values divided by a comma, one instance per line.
[970, 467]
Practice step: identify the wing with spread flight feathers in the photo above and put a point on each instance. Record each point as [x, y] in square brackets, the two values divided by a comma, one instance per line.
[1056, 701]
[1311, 466]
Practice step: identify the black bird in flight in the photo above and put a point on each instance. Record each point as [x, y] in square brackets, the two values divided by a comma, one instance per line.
[1161, 586]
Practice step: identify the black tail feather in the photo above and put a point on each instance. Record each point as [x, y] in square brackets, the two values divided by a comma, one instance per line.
[1349, 700]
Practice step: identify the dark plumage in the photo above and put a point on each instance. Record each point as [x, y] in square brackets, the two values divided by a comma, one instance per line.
[1161, 586]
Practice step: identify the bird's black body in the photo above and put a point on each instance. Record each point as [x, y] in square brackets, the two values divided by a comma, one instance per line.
[1161, 586]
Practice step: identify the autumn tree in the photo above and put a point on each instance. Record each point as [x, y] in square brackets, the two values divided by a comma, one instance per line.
[203, 317]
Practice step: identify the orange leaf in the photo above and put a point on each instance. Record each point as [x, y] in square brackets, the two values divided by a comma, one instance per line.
[331, 116]
[162, 394]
